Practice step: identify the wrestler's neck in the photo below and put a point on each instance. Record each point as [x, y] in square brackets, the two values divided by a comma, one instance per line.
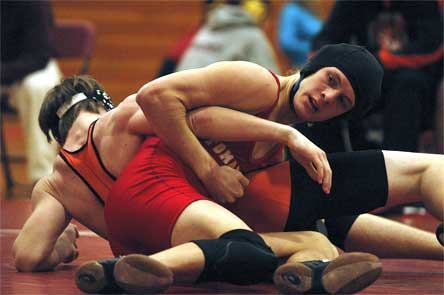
[78, 133]
[284, 114]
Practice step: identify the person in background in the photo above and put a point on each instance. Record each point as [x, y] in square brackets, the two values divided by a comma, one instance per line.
[297, 27]
[406, 37]
[231, 32]
[169, 62]
[28, 72]
[440, 119]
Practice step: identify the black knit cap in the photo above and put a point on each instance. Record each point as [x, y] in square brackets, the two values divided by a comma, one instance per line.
[360, 67]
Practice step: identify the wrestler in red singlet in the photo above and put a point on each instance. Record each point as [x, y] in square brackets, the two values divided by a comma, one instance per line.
[154, 189]
[269, 191]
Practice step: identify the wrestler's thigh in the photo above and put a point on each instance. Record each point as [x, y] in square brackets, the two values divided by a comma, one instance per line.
[204, 220]
[405, 172]
[390, 239]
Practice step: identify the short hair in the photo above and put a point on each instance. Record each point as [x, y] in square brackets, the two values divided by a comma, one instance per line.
[50, 123]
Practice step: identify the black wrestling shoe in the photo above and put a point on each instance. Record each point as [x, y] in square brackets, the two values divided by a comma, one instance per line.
[137, 273]
[346, 274]
[440, 234]
[98, 277]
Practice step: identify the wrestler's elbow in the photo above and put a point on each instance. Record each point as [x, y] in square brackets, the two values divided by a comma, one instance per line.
[26, 261]
[151, 96]
[145, 96]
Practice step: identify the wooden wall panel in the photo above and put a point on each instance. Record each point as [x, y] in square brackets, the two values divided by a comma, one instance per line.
[134, 36]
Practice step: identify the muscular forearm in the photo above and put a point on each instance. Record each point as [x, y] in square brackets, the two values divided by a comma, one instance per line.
[166, 115]
[228, 125]
[224, 124]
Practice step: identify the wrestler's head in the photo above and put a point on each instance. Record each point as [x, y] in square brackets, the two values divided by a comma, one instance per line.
[340, 79]
[64, 102]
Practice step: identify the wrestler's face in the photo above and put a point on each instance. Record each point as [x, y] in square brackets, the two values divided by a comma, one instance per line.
[324, 95]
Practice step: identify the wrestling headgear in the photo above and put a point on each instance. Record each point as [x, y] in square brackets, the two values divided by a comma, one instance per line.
[100, 96]
[360, 67]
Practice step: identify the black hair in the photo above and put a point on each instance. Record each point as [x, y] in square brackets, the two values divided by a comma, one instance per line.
[50, 123]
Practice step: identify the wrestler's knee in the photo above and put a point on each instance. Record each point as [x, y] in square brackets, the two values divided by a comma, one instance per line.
[238, 257]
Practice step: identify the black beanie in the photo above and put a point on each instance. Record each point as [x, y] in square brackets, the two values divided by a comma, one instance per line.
[360, 67]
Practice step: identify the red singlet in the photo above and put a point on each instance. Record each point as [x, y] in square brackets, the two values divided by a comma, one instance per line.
[153, 190]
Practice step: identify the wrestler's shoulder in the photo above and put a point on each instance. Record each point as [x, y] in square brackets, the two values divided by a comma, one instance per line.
[122, 112]
[43, 187]
[238, 66]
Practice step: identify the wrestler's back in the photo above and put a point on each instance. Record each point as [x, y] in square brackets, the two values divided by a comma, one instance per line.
[77, 198]
[115, 147]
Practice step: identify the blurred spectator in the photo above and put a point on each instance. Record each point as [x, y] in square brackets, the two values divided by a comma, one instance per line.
[297, 27]
[231, 32]
[407, 37]
[28, 72]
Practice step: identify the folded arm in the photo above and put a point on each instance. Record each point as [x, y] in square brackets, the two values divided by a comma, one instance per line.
[47, 239]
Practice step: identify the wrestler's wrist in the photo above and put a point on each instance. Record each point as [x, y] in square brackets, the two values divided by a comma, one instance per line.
[206, 170]
[291, 137]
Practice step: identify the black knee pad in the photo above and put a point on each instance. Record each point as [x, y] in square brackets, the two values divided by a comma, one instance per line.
[238, 257]
[242, 235]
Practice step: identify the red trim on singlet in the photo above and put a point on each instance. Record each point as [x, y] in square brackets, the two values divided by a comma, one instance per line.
[87, 164]
[392, 61]
[267, 112]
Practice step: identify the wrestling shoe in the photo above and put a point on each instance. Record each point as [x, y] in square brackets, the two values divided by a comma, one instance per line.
[346, 274]
[138, 273]
[98, 277]
[128, 274]
[440, 234]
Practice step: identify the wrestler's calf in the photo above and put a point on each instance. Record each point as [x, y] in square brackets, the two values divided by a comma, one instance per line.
[239, 257]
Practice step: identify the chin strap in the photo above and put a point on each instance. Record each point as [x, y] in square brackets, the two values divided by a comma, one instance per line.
[293, 91]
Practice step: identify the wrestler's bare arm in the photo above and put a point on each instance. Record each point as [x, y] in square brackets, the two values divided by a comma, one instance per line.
[224, 124]
[47, 239]
[165, 102]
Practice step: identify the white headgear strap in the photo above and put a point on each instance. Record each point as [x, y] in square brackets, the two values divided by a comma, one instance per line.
[69, 104]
